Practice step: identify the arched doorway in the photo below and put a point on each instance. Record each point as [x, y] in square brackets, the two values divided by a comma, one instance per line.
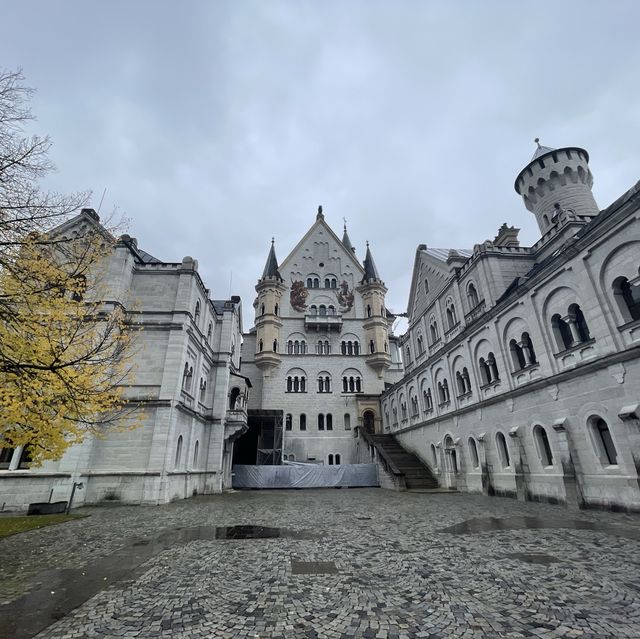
[368, 422]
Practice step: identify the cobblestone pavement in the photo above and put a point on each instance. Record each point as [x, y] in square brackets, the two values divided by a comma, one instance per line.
[397, 575]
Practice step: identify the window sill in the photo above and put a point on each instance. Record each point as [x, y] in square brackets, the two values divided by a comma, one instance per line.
[495, 382]
[296, 392]
[628, 325]
[465, 395]
[444, 404]
[526, 369]
[576, 347]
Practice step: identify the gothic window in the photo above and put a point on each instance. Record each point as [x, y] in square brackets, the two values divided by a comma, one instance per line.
[473, 449]
[627, 297]
[178, 457]
[503, 450]
[605, 447]
[260, 346]
[187, 375]
[452, 320]
[329, 421]
[320, 421]
[288, 422]
[544, 448]
[209, 331]
[347, 421]
[472, 296]
[275, 309]
[196, 449]
[372, 346]
[197, 312]
[303, 422]
[275, 345]
[203, 389]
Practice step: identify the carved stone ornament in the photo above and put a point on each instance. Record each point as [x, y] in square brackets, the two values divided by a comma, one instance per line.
[618, 372]
[345, 296]
[298, 296]
[553, 391]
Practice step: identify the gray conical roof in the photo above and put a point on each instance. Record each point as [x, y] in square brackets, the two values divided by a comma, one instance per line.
[271, 267]
[346, 241]
[541, 150]
[370, 270]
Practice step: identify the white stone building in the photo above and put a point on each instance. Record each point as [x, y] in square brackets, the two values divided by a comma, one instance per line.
[188, 358]
[522, 364]
[319, 354]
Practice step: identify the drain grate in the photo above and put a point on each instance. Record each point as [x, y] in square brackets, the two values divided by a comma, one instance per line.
[313, 567]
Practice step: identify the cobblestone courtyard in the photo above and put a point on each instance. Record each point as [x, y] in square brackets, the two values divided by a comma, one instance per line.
[385, 568]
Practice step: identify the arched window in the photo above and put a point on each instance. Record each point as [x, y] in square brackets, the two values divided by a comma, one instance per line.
[233, 397]
[275, 309]
[561, 333]
[356, 348]
[473, 450]
[352, 385]
[605, 448]
[209, 331]
[577, 316]
[358, 385]
[320, 421]
[196, 450]
[288, 422]
[426, 285]
[345, 385]
[337, 458]
[292, 457]
[347, 421]
[275, 345]
[197, 311]
[289, 347]
[517, 356]
[503, 450]
[368, 310]
[434, 456]
[493, 367]
[372, 347]
[309, 283]
[472, 296]
[327, 282]
[262, 309]
[178, 458]
[466, 379]
[408, 351]
[260, 346]
[329, 421]
[303, 385]
[331, 309]
[187, 376]
[322, 310]
[321, 384]
[334, 282]
[289, 384]
[544, 448]
[627, 297]
[313, 309]
[316, 282]
[420, 345]
[203, 389]
[452, 320]
[460, 384]
[303, 422]
[433, 329]
[527, 348]
[330, 459]
[343, 347]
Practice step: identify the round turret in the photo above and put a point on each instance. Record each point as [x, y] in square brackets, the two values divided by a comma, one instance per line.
[555, 180]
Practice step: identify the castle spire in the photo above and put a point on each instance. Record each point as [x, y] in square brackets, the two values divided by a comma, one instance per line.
[271, 267]
[345, 238]
[370, 270]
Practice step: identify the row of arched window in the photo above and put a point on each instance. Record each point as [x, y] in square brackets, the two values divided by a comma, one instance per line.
[351, 384]
[296, 347]
[296, 384]
[329, 282]
[324, 421]
[323, 347]
[187, 382]
[599, 432]
[322, 310]
[178, 455]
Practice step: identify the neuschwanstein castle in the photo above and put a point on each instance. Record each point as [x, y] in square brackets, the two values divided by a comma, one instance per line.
[518, 375]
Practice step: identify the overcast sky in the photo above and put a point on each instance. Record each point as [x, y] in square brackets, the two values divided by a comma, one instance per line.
[217, 125]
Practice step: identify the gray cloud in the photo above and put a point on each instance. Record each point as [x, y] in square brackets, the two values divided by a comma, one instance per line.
[214, 126]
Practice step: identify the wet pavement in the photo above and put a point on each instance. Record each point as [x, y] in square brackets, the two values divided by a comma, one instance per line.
[326, 563]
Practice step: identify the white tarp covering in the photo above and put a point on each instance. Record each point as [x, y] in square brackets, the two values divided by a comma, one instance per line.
[305, 476]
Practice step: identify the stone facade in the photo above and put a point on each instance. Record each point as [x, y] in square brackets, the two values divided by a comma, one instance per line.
[331, 329]
[187, 367]
[522, 364]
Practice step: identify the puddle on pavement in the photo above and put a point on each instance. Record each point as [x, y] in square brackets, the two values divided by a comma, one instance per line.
[62, 590]
[532, 558]
[492, 524]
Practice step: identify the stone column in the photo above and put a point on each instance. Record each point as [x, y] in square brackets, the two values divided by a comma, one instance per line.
[15, 458]
[573, 327]
[525, 353]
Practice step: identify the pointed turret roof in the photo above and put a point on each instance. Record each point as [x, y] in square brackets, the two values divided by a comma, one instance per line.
[346, 241]
[271, 267]
[370, 270]
[541, 150]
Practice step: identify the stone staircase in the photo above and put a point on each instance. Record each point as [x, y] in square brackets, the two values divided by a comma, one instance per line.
[415, 473]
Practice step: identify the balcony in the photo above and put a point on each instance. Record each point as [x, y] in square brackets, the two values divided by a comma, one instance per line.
[325, 322]
[475, 312]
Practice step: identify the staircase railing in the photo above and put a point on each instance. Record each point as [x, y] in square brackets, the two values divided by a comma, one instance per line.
[383, 457]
